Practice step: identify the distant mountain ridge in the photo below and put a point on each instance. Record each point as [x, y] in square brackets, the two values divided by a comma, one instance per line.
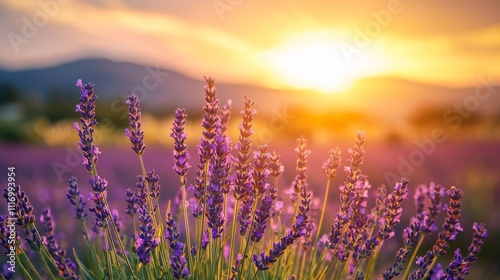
[115, 80]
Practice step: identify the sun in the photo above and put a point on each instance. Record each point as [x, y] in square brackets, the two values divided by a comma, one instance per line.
[313, 62]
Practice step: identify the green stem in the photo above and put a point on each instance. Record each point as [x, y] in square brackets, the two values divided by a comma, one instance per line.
[26, 274]
[410, 261]
[249, 234]
[318, 231]
[204, 198]
[32, 267]
[434, 260]
[233, 236]
[186, 224]
[372, 261]
[108, 257]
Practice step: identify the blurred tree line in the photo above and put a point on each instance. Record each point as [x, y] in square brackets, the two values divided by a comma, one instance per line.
[18, 111]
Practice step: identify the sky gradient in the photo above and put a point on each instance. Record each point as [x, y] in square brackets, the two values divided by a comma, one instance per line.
[324, 45]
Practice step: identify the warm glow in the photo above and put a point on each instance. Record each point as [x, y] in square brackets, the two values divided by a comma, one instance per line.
[315, 62]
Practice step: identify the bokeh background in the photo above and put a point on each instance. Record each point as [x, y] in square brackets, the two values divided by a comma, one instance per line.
[422, 78]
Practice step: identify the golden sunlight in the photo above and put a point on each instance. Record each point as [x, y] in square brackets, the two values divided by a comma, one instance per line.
[315, 62]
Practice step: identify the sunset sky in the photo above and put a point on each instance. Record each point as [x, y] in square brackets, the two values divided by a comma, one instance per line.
[321, 45]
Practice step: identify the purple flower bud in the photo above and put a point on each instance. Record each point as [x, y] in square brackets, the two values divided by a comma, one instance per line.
[135, 134]
[86, 108]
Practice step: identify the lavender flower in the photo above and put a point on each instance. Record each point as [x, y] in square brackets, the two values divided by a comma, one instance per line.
[378, 211]
[210, 123]
[142, 192]
[76, 199]
[299, 181]
[235, 269]
[394, 209]
[397, 267]
[135, 134]
[421, 198]
[260, 171]
[243, 166]
[22, 207]
[154, 184]
[265, 210]
[356, 160]
[211, 119]
[263, 261]
[177, 259]
[86, 108]
[423, 263]
[100, 210]
[348, 194]
[178, 262]
[413, 233]
[436, 194]
[332, 163]
[219, 185]
[132, 203]
[275, 166]
[115, 214]
[65, 265]
[243, 172]
[146, 242]
[245, 213]
[480, 233]
[181, 154]
[452, 270]
[301, 222]
[35, 242]
[451, 225]
[225, 116]
[204, 240]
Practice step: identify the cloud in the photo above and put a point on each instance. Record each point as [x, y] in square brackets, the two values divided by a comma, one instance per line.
[421, 43]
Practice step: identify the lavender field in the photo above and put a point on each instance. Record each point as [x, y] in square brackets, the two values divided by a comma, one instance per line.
[43, 172]
[249, 140]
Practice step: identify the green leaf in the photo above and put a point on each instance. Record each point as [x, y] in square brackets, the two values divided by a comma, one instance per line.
[87, 272]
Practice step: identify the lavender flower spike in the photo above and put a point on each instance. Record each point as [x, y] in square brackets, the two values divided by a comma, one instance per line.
[300, 179]
[275, 166]
[332, 163]
[394, 209]
[480, 233]
[86, 108]
[451, 224]
[450, 229]
[76, 199]
[242, 162]
[181, 154]
[100, 210]
[219, 185]
[177, 259]
[65, 265]
[262, 214]
[146, 242]
[135, 134]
